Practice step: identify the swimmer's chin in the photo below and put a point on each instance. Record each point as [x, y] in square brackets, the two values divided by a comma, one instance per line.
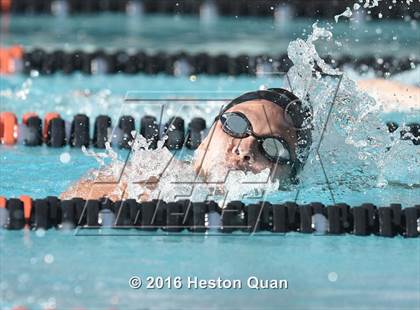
[213, 174]
[219, 173]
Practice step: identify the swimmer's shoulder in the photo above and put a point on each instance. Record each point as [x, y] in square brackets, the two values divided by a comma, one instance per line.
[392, 95]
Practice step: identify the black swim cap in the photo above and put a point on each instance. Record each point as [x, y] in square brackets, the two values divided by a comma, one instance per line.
[300, 115]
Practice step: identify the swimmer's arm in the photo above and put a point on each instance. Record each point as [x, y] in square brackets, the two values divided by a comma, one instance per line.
[90, 189]
[107, 187]
[392, 94]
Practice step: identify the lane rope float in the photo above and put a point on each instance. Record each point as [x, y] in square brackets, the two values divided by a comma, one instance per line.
[11, 59]
[184, 64]
[199, 217]
[56, 132]
[8, 128]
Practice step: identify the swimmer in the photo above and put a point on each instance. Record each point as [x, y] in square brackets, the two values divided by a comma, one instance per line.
[258, 130]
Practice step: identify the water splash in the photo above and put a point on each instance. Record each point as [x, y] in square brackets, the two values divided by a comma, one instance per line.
[20, 93]
[158, 174]
[368, 4]
[356, 150]
[347, 13]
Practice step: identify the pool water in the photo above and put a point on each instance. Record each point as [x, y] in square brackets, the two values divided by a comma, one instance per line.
[69, 269]
[95, 95]
[246, 35]
[322, 272]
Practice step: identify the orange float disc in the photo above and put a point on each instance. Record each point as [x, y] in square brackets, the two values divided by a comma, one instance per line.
[27, 116]
[8, 57]
[27, 207]
[47, 118]
[2, 202]
[16, 51]
[5, 5]
[4, 61]
[8, 130]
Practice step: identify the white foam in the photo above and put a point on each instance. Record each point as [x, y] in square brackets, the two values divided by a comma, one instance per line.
[347, 13]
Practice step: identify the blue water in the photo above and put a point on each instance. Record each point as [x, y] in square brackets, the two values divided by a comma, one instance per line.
[71, 270]
[186, 33]
[94, 95]
[68, 270]
[93, 272]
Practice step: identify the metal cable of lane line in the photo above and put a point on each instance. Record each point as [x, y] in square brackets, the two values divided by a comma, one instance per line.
[207, 216]
[262, 8]
[56, 132]
[179, 64]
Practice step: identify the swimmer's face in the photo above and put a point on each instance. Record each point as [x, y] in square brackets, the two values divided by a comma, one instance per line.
[220, 152]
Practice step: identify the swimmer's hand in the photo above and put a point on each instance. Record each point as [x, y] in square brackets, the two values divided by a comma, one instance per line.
[151, 183]
[89, 189]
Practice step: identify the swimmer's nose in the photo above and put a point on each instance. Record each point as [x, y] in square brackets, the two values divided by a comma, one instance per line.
[245, 150]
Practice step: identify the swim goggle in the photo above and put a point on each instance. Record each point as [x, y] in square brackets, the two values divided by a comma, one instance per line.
[294, 108]
[274, 148]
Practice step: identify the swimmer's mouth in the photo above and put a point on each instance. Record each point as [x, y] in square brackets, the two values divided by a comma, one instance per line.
[235, 167]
